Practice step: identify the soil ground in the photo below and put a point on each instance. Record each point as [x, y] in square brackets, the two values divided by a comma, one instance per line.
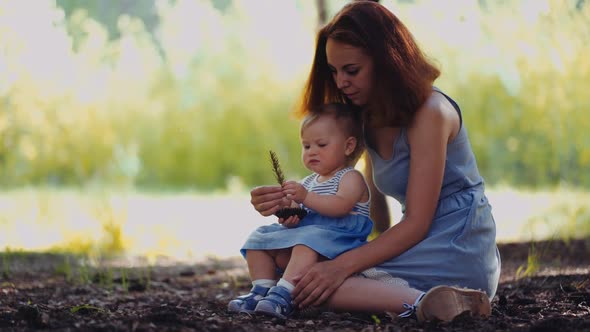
[545, 286]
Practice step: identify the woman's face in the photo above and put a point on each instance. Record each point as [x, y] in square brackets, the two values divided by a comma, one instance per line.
[352, 70]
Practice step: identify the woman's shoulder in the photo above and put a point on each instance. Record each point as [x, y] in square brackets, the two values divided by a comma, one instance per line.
[437, 105]
[437, 111]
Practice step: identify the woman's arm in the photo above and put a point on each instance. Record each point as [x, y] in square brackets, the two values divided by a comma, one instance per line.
[433, 128]
[352, 189]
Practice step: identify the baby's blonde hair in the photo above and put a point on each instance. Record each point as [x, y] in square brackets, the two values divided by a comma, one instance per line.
[350, 122]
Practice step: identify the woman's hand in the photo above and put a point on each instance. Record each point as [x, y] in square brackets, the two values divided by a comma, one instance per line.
[267, 199]
[317, 285]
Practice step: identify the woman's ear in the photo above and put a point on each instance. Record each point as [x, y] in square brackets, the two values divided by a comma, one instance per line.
[350, 145]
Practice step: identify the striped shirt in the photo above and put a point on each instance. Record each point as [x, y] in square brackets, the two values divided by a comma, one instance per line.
[330, 187]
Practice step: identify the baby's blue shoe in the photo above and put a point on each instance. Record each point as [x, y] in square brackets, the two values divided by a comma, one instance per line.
[276, 303]
[247, 303]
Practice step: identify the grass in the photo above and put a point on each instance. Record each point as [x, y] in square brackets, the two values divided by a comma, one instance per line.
[533, 264]
[523, 215]
[85, 307]
[75, 269]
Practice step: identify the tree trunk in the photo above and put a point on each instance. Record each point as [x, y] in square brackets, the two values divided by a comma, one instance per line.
[322, 13]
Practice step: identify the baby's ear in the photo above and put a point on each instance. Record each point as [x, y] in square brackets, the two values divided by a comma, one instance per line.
[350, 145]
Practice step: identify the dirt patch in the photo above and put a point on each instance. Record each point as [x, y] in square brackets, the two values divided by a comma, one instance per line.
[545, 286]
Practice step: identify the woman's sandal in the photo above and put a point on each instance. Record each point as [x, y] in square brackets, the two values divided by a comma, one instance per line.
[445, 303]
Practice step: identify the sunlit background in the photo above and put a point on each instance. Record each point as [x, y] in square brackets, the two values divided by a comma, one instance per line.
[136, 128]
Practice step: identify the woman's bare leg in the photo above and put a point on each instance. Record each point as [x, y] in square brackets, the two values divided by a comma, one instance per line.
[368, 295]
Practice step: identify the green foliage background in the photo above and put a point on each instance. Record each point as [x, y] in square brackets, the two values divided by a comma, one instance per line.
[193, 94]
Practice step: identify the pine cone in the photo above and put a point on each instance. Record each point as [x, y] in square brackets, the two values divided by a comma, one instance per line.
[287, 212]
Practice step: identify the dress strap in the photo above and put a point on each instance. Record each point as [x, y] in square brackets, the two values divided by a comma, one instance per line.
[453, 102]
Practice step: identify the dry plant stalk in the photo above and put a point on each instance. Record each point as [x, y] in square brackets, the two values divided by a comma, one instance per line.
[276, 167]
[285, 212]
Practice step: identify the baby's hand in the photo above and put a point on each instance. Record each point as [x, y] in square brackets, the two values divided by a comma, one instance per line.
[291, 222]
[294, 191]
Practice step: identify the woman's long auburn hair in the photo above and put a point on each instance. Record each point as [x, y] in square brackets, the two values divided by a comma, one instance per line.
[402, 75]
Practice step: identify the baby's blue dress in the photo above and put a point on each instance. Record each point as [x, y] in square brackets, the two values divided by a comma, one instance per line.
[328, 236]
[460, 247]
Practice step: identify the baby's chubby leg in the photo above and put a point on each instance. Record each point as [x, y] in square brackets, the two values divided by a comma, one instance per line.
[302, 257]
[278, 302]
[261, 264]
[262, 268]
[282, 257]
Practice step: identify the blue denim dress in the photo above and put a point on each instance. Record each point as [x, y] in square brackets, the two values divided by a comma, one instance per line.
[460, 248]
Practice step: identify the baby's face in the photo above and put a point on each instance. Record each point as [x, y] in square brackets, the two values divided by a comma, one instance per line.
[324, 146]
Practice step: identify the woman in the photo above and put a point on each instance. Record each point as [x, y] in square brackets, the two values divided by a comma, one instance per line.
[421, 156]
